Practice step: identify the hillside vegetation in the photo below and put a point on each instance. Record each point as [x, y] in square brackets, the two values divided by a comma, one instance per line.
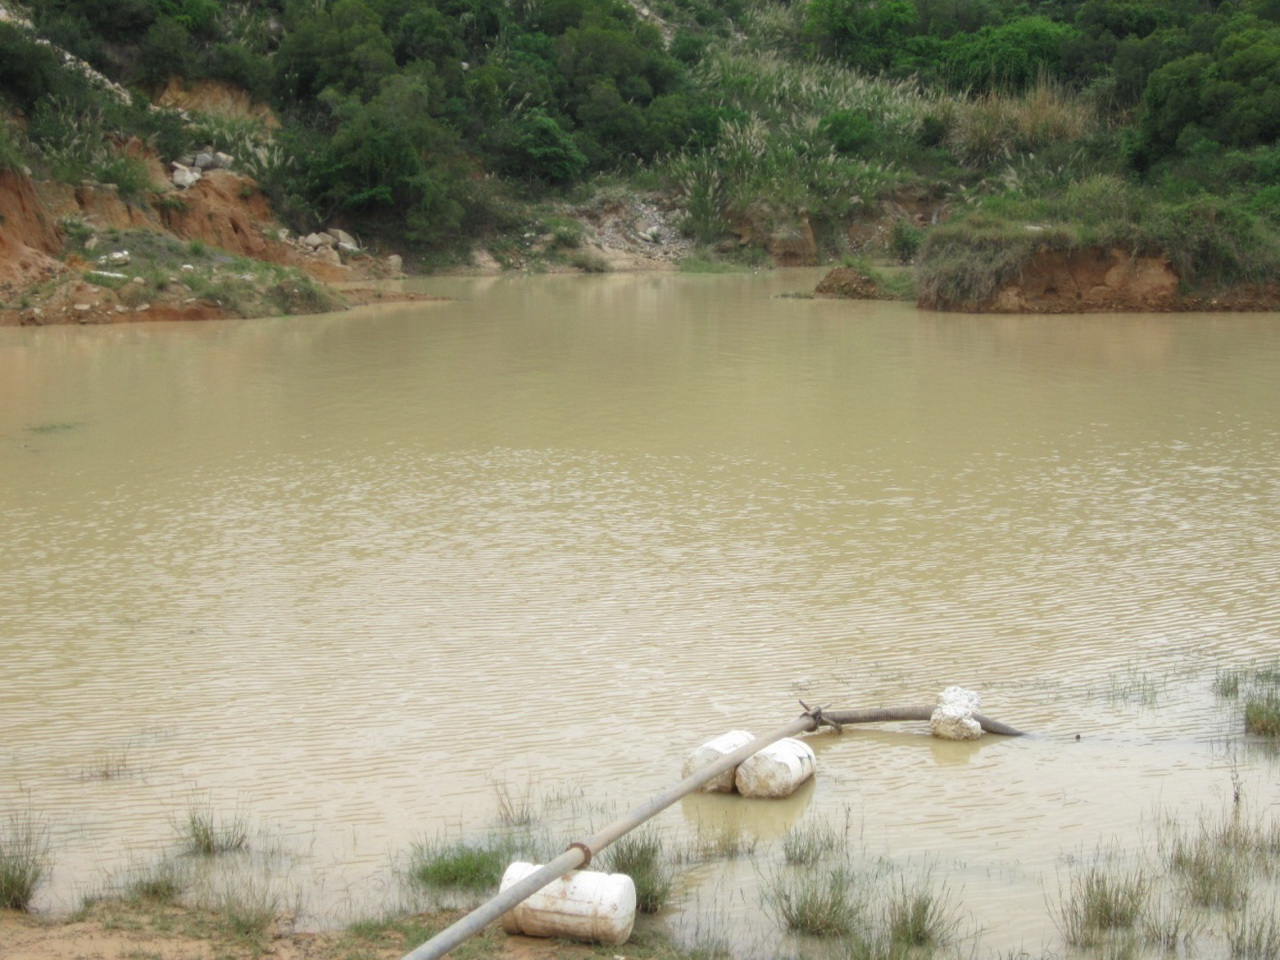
[934, 131]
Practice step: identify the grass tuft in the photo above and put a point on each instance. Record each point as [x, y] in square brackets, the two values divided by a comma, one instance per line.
[459, 865]
[810, 842]
[642, 857]
[1254, 934]
[1262, 715]
[826, 903]
[24, 860]
[919, 916]
[204, 834]
[163, 884]
[1099, 901]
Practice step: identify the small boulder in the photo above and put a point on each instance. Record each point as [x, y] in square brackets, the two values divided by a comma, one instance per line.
[184, 176]
[341, 237]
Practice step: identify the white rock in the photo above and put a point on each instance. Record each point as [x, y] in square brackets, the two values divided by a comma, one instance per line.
[204, 160]
[953, 715]
[347, 248]
[223, 160]
[709, 753]
[341, 236]
[184, 176]
[395, 262]
[776, 771]
[82, 307]
[188, 268]
[329, 255]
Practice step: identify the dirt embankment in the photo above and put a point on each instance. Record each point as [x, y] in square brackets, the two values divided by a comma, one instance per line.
[1089, 280]
[1086, 280]
[53, 274]
[29, 239]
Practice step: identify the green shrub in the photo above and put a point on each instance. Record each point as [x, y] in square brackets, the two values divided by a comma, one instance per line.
[904, 241]
[850, 131]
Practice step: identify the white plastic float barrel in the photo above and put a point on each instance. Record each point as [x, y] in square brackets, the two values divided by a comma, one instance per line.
[709, 753]
[776, 771]
[581, 905]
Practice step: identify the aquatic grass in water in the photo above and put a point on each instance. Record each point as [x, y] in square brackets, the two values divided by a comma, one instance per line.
[726, 843]
[162, 884]
[24, 860]
[205, 834]
[1254, 934]
[459, 865]
[919, 916]
[810, 842]
[828, 903]
[1215, 865]
[1262, 715]
[108, 764]
[642, 857]
[1101, 900]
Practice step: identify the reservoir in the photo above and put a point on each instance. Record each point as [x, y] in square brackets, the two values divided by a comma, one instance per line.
[381, 578]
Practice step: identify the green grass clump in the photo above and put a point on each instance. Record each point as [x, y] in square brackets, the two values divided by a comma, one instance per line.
[458, 865]
[919, 916]
[642, 857]
[1262, 715]
[1216, 863]
[826, 903]
[204, 834]
[24, 861]
[1100, 901]
[810, 842]
[163, 884]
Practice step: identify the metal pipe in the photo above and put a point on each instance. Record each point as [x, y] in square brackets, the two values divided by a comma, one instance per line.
[838, 718]
[580, 854]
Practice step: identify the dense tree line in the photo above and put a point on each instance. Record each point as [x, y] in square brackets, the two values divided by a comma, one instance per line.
[397, 111]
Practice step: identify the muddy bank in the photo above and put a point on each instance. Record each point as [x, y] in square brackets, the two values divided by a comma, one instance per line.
[1104, 280]
[161, 931]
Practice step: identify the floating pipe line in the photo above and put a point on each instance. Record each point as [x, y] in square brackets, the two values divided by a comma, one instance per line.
[580, 853]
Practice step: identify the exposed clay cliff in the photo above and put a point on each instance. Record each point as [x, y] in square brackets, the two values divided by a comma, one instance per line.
[29, 238]
[1088, 280]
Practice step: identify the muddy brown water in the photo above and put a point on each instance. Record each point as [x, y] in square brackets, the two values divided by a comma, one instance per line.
[359, 578]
